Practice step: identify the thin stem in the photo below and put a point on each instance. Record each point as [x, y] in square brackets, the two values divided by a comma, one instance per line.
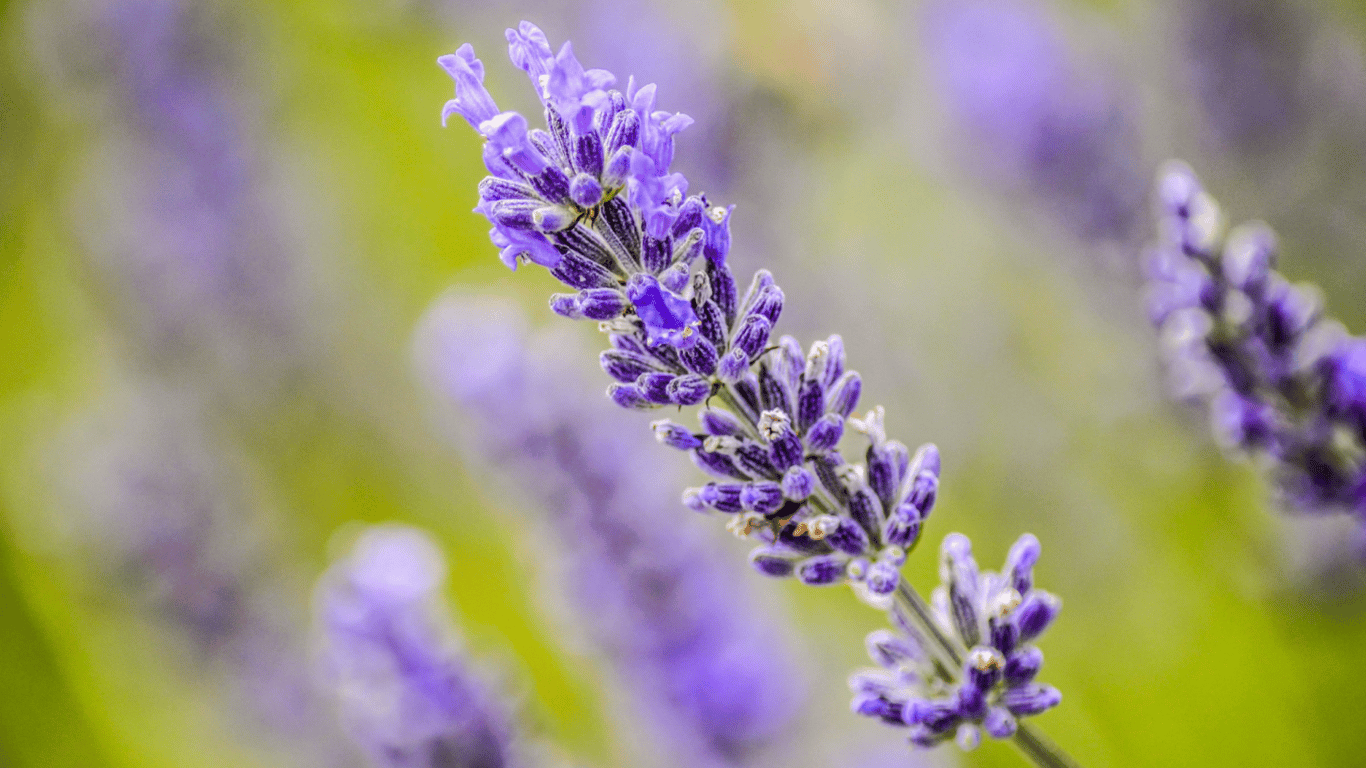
[1035, 745]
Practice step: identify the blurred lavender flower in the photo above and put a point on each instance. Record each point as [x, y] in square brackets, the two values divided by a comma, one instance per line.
[994, 615]
[173, 209]
[697, 653]
[592, 199]
[1246, 63]
[1033, 115]
[389, 650]
[1281, 381]
[160, 512]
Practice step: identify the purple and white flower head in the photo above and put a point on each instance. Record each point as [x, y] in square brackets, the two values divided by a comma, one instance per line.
[996, 617]
[389, 652]
[1281, 381]
[704, 666]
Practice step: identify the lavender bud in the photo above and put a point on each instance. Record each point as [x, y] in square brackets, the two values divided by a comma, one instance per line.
[723, 497]
[675, 278]
[711, 322]
[723, 290]
[655, 387]
[891, 650]
[1036, 613]
[902, 527]
[493, 188]
[821, 570]
[553, 218]
[552, 184]
[585, 190]
[769, 304]
[578, 271]
[689, 389]
[753, 335]
[924, 491]
[810, 404]
[624, 132]
[825, 434]
[882, 578]
[719, 422]
[514, 214]
[692, 499]
[689, 217]
[1022, 666]
[1249, 256]
[602, 303]
[716, 223]
[617, 169]
[844, 394]
[718, 464]
[686, 251]
[958, 572]
[1024, 554]
[629, 396]
[761, 497]
[733, 366]
[772, 562]
[566, 305]
[700, 358]
[849, 538]
[866, 510]
[983, 668]
[675, 435]
[624, 366]
[999, 723]
[1031, 699]
[798, 483]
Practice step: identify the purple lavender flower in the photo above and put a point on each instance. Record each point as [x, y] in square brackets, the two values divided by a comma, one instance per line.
[166, 523]
[1280, 380]
[1246, 63]
[173, 207]
[1032, 114]
[635, 257]
[390, 653]
[696, 652]
[994, 615]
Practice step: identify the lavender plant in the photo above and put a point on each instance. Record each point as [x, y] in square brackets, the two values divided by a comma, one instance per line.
[389, 652]
[592, 199]
[702, 661]
[1282, 382]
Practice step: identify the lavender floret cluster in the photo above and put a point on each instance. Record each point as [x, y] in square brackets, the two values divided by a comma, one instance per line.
[996, 616]
[592, 200]
[390, 654]
[1280, 380]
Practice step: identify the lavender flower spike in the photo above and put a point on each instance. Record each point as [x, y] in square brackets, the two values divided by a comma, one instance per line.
[995, 615]
[389, 653]
[1281, 382]
[650, 263]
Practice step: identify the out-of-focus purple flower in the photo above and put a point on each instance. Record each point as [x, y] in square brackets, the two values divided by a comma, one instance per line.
[1033, 116]
[172, 207]
[695, 651]
[1281, 381]
[390, 652]
[161, 515]
[1247, 63]
[994, 615]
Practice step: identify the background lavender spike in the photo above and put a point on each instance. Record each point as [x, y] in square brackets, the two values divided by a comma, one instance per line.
[1280, 380]
[1058, 130]
[160, 510]
[173, 209]
[695, 651]
[389, 651]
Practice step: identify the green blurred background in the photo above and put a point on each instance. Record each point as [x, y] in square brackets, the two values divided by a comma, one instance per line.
[1199, 627]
